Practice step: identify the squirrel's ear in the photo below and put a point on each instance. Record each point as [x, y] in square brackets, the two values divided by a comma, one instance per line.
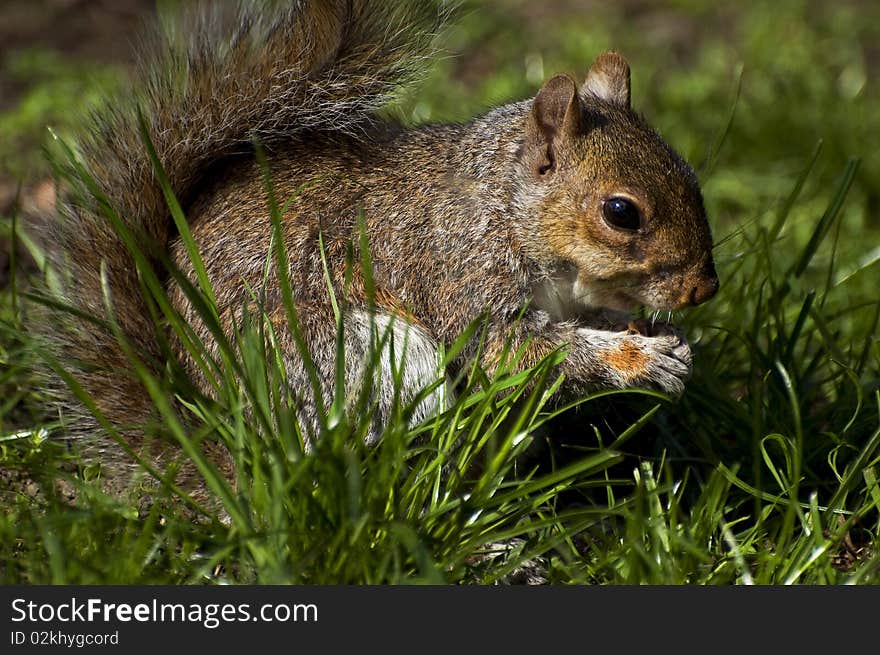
[608, 79]
[556, 115]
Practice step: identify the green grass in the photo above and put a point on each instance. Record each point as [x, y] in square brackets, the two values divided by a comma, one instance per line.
[764, 472]
[53, 86]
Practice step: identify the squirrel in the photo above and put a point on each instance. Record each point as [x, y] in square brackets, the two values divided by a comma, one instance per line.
[544, 216]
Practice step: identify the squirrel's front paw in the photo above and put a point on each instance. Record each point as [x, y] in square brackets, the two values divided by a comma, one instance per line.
[633, 360]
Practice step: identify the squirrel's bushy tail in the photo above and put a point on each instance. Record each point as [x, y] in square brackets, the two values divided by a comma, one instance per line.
[215, 79]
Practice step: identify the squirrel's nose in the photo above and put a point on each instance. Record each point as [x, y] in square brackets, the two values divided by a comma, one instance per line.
[705, 286]
[704, 291]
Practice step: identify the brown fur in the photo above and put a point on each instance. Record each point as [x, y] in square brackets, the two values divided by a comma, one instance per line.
[626, 358]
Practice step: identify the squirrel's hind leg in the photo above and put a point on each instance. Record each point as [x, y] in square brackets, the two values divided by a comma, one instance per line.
[395, 360]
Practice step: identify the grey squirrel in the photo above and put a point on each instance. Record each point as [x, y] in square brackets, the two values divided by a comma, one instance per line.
[543, 215]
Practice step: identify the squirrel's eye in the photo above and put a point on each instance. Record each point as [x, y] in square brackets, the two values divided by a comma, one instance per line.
[622, 214]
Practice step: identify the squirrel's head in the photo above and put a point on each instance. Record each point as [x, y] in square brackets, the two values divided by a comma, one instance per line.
[615, 204]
